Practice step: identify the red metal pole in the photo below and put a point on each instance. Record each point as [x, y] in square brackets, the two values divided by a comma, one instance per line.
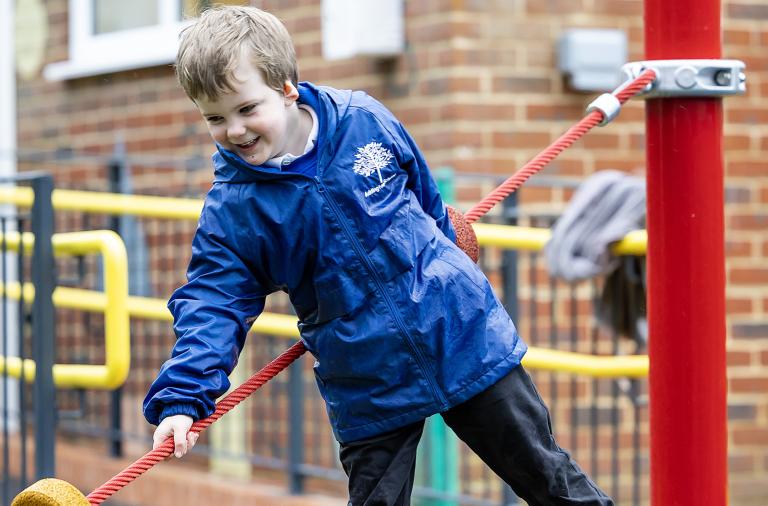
[686, 281]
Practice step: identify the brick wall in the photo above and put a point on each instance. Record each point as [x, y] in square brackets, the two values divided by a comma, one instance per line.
[478, 90]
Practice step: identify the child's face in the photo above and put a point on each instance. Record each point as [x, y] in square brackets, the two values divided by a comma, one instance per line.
[254, 121]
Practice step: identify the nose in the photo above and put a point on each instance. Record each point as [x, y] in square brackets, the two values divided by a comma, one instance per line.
[235, 131]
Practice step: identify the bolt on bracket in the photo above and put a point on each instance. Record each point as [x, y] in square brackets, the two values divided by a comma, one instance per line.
[690, 78]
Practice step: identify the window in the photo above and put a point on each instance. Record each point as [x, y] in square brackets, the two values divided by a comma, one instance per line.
[113, 35]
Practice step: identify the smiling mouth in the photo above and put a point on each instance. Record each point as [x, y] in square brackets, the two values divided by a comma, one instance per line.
[248, 144]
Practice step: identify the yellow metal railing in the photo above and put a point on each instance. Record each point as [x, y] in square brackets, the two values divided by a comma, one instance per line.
[502, 236]
[113, 302]
[109, 203]
[534, 239]
[634, 366]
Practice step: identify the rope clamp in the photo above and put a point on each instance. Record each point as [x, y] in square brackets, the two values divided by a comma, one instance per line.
[607, 104]
[690, 78]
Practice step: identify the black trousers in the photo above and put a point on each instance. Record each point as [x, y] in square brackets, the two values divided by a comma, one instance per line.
[507, 426]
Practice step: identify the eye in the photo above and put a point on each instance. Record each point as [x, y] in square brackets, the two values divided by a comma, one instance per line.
[247, 109]
[213, 119]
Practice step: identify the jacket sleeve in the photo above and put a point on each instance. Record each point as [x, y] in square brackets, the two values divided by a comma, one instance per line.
[212, 314]
[420, 180]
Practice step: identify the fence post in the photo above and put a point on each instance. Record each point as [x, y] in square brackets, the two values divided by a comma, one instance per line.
[296, 428]
[509, 261]
[443, 464]
[115, 176]
[43, 342]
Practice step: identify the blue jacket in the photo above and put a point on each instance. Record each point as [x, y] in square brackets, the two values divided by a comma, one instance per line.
[401, 323]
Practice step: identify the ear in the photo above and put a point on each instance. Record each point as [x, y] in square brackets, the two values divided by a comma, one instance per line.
[290, 92]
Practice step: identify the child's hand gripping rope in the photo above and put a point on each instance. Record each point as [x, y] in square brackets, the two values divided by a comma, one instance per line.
[52, 492]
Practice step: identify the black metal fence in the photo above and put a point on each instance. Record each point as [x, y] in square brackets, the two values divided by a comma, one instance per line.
[28, 412]
[283, 427]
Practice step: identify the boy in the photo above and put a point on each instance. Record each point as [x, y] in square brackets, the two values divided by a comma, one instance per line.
[322, 193]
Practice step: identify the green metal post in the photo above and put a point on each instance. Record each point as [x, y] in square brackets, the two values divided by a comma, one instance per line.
[442, 465]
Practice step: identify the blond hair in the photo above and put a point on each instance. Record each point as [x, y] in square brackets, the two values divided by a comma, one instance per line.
[211, 48]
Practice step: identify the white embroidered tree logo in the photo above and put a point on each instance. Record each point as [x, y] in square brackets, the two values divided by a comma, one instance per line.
[371, 157]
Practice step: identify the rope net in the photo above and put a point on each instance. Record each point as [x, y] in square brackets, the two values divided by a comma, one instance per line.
[272, 369]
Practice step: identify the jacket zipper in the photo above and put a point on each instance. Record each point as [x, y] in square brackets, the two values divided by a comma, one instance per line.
[382, 289]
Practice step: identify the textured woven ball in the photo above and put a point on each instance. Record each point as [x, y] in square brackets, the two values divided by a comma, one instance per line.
[51, 492]
[465, 234]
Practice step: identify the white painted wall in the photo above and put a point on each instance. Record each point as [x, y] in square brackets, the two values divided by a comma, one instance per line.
[8, 145]
[7, 89]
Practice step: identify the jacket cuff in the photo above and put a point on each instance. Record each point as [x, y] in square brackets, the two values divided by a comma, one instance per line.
[178, 409]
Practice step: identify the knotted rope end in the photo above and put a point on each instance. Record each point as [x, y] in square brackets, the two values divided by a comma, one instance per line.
[51, 492]
[465, 234]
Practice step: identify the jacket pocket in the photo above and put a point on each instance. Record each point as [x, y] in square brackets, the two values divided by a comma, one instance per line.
[402, 241]
[340, 293]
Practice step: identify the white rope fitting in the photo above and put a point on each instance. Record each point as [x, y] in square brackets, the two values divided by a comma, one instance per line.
[608, 104]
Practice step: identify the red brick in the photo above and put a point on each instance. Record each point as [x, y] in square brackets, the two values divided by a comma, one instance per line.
[755, 276]
[733, 142]
[741, 463]
[490, 112]
[749, 115]
[414, 115]
[737, 37]
[460, 57]
[502, 166]
[518, 84]
[738, 358]
[532, 194]
[554, 112]
[738, 306]
[303, 24]
[451, 139]
[632, 112]
[594, 140]
[637, 141]
[747, 168]
[415, 9]
[554, 7]
[464, 194]
[619, 7]
[756, 64]
[748, 385]
[525, 140]
[749, 221]
[442, 85]
[748, 437]
[565, 167]
[442, 31]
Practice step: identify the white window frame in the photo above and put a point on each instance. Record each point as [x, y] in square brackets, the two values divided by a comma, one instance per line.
[94, 54]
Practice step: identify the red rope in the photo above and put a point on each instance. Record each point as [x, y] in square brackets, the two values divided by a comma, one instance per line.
[234, 398]
[554, 149]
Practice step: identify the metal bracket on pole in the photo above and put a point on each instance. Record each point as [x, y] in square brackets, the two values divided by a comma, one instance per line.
[690, 78]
